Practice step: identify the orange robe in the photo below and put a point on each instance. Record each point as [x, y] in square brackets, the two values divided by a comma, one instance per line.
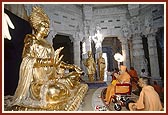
[148, 100]
[157, 88]
[134, 75]
[123, 78]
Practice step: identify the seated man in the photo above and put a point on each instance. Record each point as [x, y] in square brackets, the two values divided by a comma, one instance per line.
[148, 100]
[123, 77]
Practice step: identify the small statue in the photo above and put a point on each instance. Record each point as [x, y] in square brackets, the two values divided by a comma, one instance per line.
[101, 66]
[91, 66]
[98, 39]
[43, 84]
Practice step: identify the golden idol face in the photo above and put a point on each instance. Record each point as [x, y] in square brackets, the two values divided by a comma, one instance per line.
[43, 28]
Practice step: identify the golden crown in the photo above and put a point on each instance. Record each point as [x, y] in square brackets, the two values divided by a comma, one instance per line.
[37, 16]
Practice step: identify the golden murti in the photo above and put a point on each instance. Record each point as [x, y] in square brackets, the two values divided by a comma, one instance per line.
[91, 66]
[101, 66]
[43, 83]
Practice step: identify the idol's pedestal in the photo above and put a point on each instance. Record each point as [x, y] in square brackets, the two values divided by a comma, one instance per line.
[71, 103]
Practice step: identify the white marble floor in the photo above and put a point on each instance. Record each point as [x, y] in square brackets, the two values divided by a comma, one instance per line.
[92, 100]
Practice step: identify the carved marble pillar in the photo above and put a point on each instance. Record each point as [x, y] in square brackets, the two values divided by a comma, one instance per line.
[125, 52]
[86, 46]
[98, 39]
[87, 16]
[153, 56]
[76, 45]
[99, 49]
[138, 53]
[125, 30]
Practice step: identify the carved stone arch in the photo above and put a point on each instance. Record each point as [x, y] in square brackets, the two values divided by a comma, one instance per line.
[125, 51]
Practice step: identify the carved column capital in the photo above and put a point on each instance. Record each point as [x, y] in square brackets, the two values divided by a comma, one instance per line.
[126, 31]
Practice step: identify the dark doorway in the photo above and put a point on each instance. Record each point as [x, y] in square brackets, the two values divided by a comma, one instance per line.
[160, 50]
[109, 52]
[64, 41]
[111, 45]
[146, 52]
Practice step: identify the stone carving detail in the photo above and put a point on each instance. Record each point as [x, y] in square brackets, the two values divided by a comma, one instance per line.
[78, 35]
[148, 26]
[86, 28]
[87, 11]
[98, 38]
[133, 9]
[135, 25]
[110, 11]
[126, 30]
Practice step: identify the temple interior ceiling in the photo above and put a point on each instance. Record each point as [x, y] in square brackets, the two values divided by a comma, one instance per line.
[107, 5]
[104, 5]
